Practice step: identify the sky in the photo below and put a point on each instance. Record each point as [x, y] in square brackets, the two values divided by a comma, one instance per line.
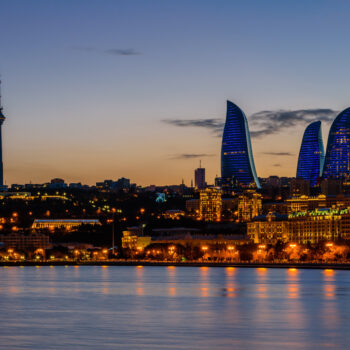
[101, 89]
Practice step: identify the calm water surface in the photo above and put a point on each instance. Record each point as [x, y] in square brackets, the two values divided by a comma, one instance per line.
[91, 307]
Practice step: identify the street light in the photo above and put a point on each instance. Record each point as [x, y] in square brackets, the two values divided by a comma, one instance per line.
[113, 244]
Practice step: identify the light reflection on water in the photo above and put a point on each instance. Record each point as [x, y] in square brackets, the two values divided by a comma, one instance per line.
[173, 308]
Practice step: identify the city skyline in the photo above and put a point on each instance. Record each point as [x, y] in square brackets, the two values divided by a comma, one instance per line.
[254, 176]
[174, 174]
[87, 100]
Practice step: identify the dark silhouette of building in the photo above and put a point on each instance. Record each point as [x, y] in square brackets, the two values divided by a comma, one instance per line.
[311, 155]
[199, 177]
[331, 187]
[237, 163]
[299, 187]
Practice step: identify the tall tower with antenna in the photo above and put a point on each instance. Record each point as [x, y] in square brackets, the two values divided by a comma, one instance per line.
[2, 118]
[199, 177]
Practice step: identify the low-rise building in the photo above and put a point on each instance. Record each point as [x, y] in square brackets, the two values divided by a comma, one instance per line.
[269, 228]
[174, 214]
[66, 224]
[22, 241]
[321, 224]
[133, 241]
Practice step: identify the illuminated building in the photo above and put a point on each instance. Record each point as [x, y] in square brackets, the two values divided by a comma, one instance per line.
[2, 119]
[26, 196]
[237, 163]
[23, 242]
[228, 204]
[210, 204]
[194, 237]
[305, 203]
[337, 162]
[66, 224]
[249, 205]
[311, 155]
[199, 178]
[160, 198]
[268, 229]
[324, 224]
[133, 241]
[174, 214]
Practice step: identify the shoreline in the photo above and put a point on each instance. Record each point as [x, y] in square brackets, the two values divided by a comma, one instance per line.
[333, 266]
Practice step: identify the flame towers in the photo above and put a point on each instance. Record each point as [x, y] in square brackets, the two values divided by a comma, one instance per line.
[237, 163]
[311, 155]
[337, 162]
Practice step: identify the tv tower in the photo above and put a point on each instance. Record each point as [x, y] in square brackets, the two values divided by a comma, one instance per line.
[2, 118]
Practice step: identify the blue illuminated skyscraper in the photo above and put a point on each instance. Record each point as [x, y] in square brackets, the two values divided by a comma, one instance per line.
[2, 118]
[337, 162]
[237, 163]
[311, 155]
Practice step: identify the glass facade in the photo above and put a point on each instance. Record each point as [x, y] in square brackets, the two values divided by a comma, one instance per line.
[311, 155]
[337, 162]
[237, 163]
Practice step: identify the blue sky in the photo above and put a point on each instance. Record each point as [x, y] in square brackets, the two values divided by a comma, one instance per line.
[87, 84]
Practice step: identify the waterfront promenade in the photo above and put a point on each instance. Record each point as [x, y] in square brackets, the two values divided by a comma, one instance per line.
[141, 263]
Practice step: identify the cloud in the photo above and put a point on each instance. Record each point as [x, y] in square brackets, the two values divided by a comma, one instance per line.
[213, 124]
[122, 52]
[111, 51]
[278, 153]
[273, 122]
[276, 165]
[263, 123]
[191, 156]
